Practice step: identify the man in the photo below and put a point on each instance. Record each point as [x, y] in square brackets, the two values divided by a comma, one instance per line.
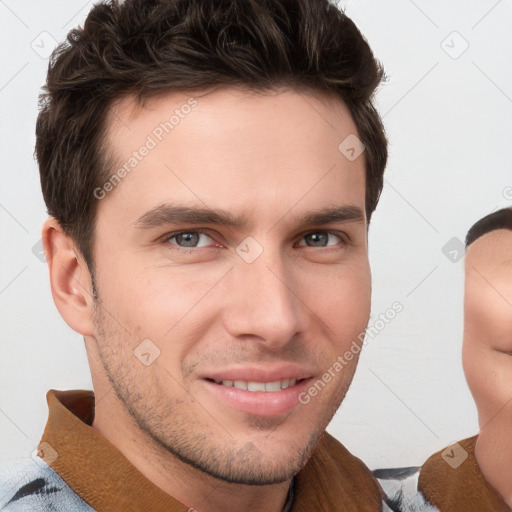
[475, 473]
[210, 170]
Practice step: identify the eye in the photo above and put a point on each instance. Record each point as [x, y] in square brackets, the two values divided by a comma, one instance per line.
[322, 238]
[189, 239]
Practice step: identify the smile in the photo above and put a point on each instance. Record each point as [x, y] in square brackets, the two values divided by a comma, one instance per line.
[259, 398]
[274, 386]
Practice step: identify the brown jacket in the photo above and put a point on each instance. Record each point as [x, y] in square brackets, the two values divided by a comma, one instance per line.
[97, 472]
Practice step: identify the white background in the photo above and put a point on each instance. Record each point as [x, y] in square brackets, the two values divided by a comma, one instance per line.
[448, 122]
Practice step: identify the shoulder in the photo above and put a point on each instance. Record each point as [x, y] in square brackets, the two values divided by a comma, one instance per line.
[335, 456]
[30, 484]
[396, 489]
[452, 478]
[339, 477]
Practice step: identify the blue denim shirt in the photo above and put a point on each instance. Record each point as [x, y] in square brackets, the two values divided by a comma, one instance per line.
[31, 485]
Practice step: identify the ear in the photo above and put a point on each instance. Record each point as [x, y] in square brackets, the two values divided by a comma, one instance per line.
[70, 279]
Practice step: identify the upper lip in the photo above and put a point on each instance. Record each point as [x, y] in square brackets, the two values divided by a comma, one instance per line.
[253, 373]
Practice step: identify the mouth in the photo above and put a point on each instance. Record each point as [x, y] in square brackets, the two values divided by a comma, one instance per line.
[259, 395]
[254, 386]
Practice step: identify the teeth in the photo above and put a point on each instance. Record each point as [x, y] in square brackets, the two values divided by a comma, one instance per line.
[255, 386]
[272, 386]
[277, 385]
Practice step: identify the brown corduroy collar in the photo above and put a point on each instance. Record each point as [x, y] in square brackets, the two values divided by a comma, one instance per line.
[458, 487]
[101, 475]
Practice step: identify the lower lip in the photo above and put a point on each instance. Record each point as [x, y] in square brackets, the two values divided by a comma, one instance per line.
[260, 403]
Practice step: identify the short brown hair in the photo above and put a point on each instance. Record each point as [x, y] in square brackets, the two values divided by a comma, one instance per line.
[147, 47]
[501, 219]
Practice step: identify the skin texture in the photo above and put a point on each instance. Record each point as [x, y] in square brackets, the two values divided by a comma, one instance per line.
[487, 352]
[271, 157]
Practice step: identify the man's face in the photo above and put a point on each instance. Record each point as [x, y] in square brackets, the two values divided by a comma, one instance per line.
[272, 301]
[487, 349]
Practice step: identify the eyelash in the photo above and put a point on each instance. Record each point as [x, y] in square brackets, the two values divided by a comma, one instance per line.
[166, 239]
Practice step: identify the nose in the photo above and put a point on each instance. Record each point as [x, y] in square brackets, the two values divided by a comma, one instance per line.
[265, 302]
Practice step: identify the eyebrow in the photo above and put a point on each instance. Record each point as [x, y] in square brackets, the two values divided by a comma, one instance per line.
[174, 214]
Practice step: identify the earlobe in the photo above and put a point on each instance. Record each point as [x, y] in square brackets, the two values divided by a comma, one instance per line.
[70, 279]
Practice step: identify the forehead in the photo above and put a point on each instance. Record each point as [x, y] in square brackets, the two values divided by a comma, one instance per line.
[232, 148]
[232, 118]
[233, 102]
[489, 261]
[492, 250]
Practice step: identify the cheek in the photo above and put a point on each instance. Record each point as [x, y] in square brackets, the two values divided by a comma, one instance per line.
[488, 315]
[342, 301]
[348, 295]
[154, 299]
[489, 376]
[476, 377]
